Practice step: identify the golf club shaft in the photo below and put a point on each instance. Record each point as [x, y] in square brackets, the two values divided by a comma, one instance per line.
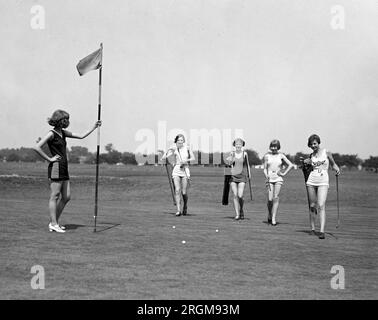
[337, 201]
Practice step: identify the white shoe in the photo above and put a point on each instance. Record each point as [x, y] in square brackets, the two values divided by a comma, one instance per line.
[55, 228]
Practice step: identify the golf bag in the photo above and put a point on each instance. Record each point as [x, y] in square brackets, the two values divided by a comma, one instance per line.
[226, 185]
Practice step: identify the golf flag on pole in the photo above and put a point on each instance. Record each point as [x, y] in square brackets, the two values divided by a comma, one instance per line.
[90, 62]
[94, 62]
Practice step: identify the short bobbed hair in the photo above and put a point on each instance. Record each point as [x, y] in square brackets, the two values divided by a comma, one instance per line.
[57, 117]
[238, 140]
[276, 143]
[312, 138]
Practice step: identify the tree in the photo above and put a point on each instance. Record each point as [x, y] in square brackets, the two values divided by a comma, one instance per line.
[128, 158]
[109, 147]
[77, 153]
[13, 157]
[349, 160]
[253, 157]
[299, 155]
[371, 163]
[113, 156]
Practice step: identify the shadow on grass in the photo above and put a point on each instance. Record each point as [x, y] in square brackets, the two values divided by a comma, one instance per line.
[239, 220]
[174, 214]
[317, 233]
[74, 226]
[111, 226]
[267, 223]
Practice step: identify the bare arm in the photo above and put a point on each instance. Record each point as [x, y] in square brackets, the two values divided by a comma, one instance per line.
[231, 158]
[192, 157]
[265, 171]
[86, 134]
[39, 150]
[166, 154]
[289, 166]
[333, 163]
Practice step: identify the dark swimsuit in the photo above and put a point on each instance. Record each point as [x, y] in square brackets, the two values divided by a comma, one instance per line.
[58, 171]
[239, 171]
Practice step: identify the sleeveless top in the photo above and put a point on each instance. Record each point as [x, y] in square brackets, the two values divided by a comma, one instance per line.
[58, 146]
[181, 154]
[239, 170]
[238, 166]
[274, 163]
[319, 173]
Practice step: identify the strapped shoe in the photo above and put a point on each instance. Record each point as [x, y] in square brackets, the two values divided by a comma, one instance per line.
[55, 228]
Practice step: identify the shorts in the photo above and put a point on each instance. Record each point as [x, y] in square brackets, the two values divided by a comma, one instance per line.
[239, 178]
[317, 179]
[280, 182]
[179, 172]
[58, 171]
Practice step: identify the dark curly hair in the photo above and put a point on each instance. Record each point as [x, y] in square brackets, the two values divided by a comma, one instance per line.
[312, 138]
[238, 140]
[179, 136]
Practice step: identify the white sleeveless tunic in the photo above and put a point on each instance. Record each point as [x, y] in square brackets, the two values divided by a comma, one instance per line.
[181, 154]
[274, 163]
[319, 174]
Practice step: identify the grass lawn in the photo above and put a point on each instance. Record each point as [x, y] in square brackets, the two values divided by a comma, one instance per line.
[138, 253]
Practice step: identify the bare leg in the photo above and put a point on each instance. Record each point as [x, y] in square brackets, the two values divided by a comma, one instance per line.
[54, 197]
[312, 195]
[185, 195]
[234, 188]
[64, 198]
[322, 197]
[270, 202]
[177, 182]
[276, 199]
[241, 187]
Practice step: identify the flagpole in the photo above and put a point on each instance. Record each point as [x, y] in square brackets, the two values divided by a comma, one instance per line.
[98, 141]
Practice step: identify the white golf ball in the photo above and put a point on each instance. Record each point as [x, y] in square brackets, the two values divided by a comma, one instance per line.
[174, 227]
[183, 241]
[217, 230]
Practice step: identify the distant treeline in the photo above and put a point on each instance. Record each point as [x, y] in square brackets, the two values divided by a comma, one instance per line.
[79, 154]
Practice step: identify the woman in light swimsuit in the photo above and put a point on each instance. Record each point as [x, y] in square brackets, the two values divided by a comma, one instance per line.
[180, 173]
[318, 181]
[273, 165]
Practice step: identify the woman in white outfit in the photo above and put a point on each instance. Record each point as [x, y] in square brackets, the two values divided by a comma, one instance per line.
[318, 181]
[273, 165]
[180, 174]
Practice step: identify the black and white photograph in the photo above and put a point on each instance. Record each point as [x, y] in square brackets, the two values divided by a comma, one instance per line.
[204, 151]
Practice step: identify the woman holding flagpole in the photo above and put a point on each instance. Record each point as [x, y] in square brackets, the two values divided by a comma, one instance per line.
[58, 164]
[273, 165]
[239, 175]
[318, 181]
[180, 174]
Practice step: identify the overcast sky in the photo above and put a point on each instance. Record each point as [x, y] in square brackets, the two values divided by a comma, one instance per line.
[273, 69]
